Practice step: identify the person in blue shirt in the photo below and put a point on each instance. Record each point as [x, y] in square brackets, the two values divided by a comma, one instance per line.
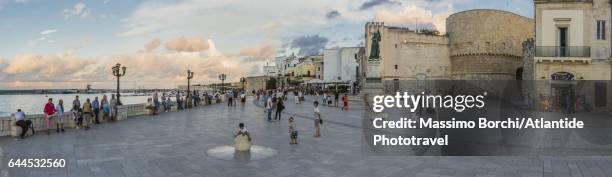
[96, 110]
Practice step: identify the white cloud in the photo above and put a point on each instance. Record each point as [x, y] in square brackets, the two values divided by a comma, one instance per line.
[161, 69]
[49, 31]
[212, 49]
[187, 44]
[45, 36]
[203, 15]
[413, 15]
[78, 10]
[153, 44]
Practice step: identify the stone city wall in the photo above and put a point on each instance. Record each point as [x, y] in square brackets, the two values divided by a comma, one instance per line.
[487, 44]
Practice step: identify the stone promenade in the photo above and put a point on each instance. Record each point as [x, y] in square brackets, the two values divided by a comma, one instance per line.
[176, 144]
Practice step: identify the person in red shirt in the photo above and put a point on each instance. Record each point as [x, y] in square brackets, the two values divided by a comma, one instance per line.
[345, 105]
[49, 112]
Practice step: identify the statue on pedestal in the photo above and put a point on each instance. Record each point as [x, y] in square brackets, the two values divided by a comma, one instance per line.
[375, 48]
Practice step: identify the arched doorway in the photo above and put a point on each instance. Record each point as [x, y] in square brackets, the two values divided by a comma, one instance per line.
[562, 91]
[519, 74]
[562, 76]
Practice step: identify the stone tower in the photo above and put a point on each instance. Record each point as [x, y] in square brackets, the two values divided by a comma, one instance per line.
[487, 44]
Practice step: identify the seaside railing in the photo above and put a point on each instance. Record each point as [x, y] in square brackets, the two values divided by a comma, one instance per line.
[8, 127]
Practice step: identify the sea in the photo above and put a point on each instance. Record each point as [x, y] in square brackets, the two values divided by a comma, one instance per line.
[34, 103]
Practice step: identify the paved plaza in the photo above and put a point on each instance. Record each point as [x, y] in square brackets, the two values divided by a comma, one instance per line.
[176, 144]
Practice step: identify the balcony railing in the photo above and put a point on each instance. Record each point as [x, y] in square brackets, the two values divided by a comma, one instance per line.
[557, 51]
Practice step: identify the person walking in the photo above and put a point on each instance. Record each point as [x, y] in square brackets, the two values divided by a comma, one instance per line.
[300, 96]
[179, 104]
[49, 113]
[87, 113]
[96, 110]
[20, 120]
[336, 98]
[293, 133]
[265, 98]
[317, 120]
[60, 116]
[280, 106]
[345, 104]
[269, 105]
[230, 98]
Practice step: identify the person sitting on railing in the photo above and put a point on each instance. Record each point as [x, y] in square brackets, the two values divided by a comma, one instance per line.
[150, 106]
[20, 120]
[49, 111]
[242, 139]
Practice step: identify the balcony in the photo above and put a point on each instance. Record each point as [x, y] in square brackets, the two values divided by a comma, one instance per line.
[557, 51]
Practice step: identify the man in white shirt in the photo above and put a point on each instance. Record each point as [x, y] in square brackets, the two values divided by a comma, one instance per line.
[269, 108]
[20, 120]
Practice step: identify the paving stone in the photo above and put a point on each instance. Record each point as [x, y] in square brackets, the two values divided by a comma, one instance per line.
[175, 144]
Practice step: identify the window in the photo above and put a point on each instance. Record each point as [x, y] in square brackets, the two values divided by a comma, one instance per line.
[601, 30]
[395, 66]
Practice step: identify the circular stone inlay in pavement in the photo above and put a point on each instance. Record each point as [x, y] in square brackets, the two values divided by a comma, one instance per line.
[229, 153]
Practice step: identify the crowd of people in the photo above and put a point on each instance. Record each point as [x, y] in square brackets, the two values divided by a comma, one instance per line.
[84, 114]
[274, 104]
[87, 113]
[195, 98]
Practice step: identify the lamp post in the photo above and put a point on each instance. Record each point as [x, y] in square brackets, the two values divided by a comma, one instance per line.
[243, 81]
[189, 77]
[118, 72]
[222, 77]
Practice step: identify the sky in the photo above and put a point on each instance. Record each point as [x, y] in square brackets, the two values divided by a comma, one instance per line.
[61, 44]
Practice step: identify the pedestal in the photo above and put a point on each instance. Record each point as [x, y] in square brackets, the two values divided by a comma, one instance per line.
[373, 84]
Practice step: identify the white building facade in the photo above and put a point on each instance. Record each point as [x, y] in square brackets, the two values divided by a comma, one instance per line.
[341, 64]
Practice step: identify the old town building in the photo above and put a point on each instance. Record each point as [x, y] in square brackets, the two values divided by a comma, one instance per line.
[479, 44]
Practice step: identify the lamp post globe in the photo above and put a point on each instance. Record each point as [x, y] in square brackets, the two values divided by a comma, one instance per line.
[118, 72]
[189, 77]
[222, 77]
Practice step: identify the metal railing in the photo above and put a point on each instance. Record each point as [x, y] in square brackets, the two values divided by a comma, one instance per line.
[558, 51]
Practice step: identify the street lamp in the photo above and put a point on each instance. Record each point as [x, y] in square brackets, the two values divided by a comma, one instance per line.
[222, 77]
[243, 81]
[118, 72]
[189, 77]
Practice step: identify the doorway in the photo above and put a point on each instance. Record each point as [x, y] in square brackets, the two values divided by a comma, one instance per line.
[563, 42]
[519, 74]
